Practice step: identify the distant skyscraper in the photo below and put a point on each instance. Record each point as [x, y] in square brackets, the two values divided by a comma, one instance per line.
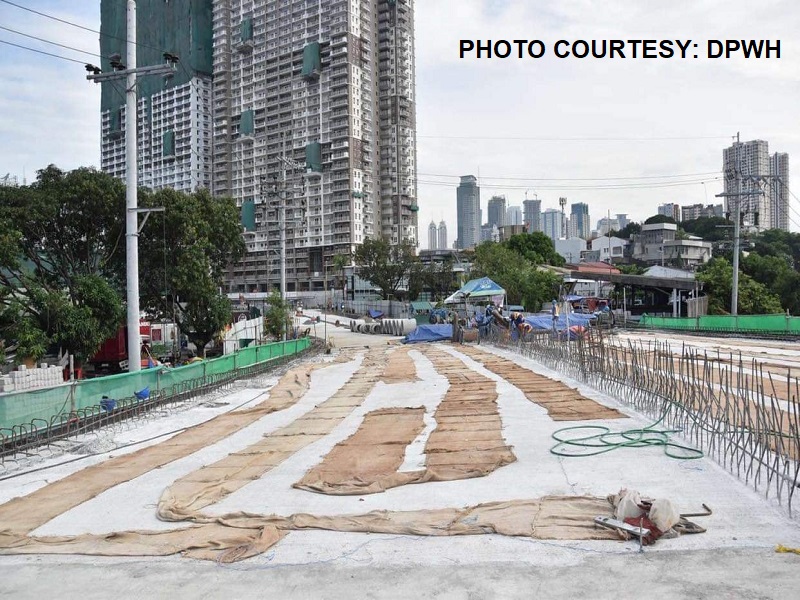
[432, 236]
[747, 159]
[671, 210]
[442, 236]
[690, 212]
[551, 223]
[513, 215]
[533, 215]
[605, 225]
[622, 219]
[779, 191]
[579, 218]
[468, 212]
[497, 211]
[490, 233]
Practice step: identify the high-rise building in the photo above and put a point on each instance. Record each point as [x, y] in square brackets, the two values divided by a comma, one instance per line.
[442, 236]
[532, 212]
[741, 161]
[690, 212]
[175, 113]
[623, 220]
[670, 210]
[328, 86]
[551, 223]
[779, 191]
[490, 233]
[513, 215]
[605, 225]
[468, 212]
[433, 240]
[497, 211]
[579, 218]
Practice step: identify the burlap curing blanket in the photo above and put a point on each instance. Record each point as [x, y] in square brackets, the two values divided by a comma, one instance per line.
[467, 442]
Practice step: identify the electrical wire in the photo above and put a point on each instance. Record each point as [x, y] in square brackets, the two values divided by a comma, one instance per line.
[632, 177]
[632, 186]
[80, 62]
[47, 16]
[38, 39]
[573, 139]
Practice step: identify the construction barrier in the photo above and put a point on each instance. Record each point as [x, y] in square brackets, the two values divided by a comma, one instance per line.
[49, 404]
[766, 324]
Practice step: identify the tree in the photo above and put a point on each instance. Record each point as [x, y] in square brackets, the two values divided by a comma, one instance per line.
[776, 242]
[184, 260]
[524, 282]
[536, 247]
[277, 319]
[776, 274]
[387, 266]
[754, 298]
[659, 219]
[436, 277]
[711, 229]
[629, 230]
[632, 269]
[340, 261]
[60, 239]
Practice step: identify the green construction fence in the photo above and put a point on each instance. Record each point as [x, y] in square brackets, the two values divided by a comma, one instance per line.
[767, 324]
[18, 408]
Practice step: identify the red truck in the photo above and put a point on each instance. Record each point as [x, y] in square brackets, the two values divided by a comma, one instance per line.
[112, 357]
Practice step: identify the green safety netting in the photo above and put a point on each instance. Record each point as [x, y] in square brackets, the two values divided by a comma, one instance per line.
[46, 404]
[750, 323]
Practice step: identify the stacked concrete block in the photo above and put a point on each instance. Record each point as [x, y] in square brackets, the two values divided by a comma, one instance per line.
[24, 379]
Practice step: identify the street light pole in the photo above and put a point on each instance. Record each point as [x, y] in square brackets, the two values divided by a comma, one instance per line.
[130, 73]
[131, 200]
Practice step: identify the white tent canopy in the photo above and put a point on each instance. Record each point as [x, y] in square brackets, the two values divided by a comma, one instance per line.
[476, 288]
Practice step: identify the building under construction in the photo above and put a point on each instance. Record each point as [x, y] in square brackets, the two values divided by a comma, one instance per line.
[307, 105]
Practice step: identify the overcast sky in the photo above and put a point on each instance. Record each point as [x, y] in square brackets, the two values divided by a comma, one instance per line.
[550, 127]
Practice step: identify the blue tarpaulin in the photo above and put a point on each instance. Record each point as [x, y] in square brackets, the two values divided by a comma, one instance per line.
[429, 333]
[546, 321]
[375, 314]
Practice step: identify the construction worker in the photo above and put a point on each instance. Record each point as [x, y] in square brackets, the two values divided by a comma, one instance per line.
[554, 312]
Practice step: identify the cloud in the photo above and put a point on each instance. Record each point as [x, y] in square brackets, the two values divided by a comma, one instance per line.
[50, 111]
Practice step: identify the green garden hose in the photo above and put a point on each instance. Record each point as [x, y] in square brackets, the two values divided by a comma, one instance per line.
[604, 440]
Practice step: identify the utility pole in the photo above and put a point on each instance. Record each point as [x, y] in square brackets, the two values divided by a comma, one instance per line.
[279, 191]
[131, 171]
[738, 214]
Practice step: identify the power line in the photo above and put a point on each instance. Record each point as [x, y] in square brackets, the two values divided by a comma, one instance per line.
[80, 62]
[33, 37]
[574, 139]
[631, 186]
[106, 35]
[490, 177]
[41, 14]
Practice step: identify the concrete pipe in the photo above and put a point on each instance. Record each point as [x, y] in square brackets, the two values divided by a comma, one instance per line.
[407, 326]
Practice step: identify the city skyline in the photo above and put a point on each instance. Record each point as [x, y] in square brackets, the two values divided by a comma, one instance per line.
[566, 138]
